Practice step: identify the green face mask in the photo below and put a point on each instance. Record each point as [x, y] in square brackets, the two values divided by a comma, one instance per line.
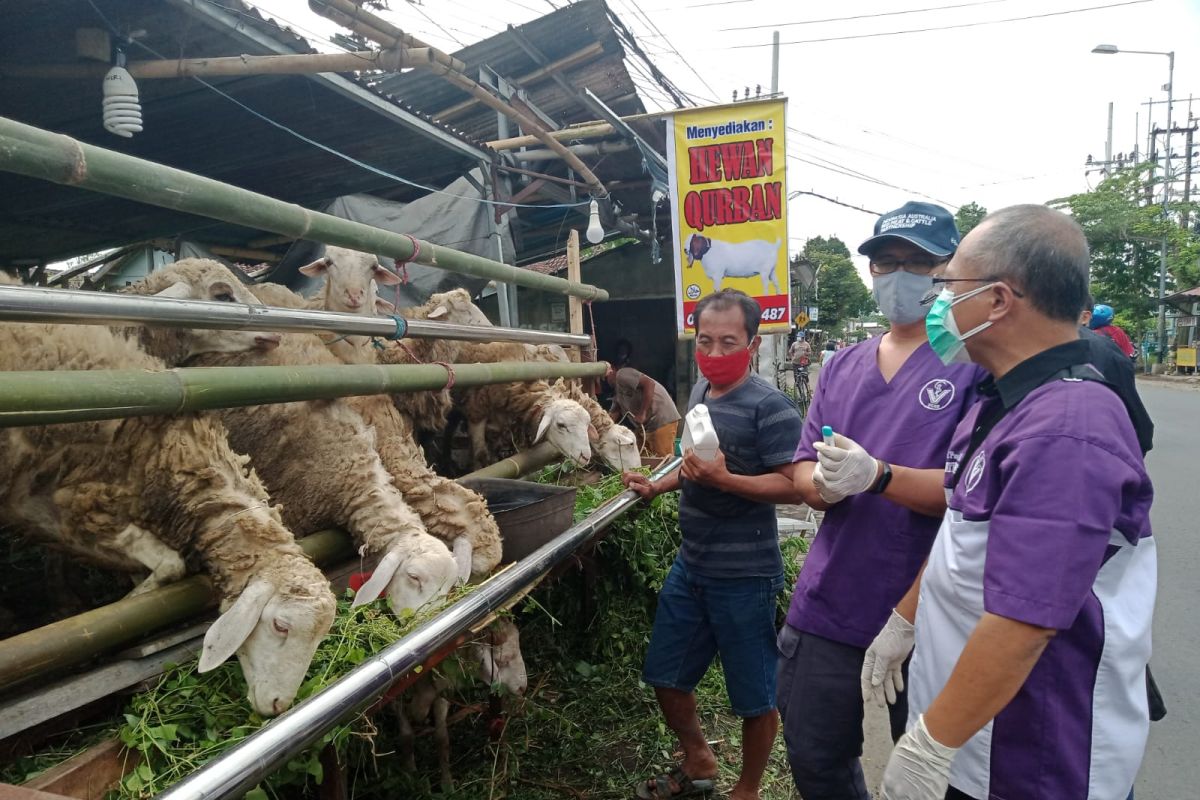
[942, 330]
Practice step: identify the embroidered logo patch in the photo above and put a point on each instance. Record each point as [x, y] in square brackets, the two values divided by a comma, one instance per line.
[937, 394]
[975, 471]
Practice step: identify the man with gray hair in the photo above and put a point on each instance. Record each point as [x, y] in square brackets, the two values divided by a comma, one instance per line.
[1033, 612]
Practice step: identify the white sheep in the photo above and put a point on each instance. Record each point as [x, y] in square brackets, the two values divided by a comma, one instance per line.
[494, 659]
[149, 493]
[615, 444]
[513, 416]
[723, 260]
[449, 510]
[318, 458]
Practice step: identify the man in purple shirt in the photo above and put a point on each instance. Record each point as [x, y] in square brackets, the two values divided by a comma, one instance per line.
[1033, 613]
[893, 406]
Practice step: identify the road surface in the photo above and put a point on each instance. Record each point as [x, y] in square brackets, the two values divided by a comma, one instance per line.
[1171, 770]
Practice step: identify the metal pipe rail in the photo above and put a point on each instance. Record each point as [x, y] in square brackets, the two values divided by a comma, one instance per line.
[68, 306]
[37, 153]
[244, 766]
[54, 396]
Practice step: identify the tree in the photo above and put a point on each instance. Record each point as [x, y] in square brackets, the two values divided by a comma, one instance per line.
[1125, 239]
[841, 294]
[968, 217]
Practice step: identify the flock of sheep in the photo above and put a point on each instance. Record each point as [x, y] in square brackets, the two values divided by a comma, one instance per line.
[226, 492]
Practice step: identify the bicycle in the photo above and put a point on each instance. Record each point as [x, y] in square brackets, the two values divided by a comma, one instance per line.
[800, 392]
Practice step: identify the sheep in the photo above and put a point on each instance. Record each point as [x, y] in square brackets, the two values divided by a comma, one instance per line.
[450, 511]
[318, 458]
[153, 493]
[722, 260]
[495, 659]
[504, 416]
[615, 444]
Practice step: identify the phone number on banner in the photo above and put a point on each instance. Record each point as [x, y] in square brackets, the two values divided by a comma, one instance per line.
[774, 311]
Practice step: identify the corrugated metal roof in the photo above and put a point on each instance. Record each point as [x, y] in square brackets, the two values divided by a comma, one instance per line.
[192, 127]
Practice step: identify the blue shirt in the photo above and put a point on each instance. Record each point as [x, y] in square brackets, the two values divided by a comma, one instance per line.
[724, 535]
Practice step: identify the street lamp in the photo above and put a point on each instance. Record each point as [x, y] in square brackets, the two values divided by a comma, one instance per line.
[1111, 49]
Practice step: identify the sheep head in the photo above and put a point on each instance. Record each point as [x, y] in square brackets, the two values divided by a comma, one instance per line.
[617, 447]
[498, 653]
[274, 630]
[199, 279]
[351, 279]
[414, 571]
[567, 426]
[454, 306]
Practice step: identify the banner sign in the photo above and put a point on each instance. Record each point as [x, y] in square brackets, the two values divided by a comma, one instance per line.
[729, 207]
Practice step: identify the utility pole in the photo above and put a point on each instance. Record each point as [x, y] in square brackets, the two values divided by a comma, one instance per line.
[1162, 267]
[772, 345]
[1108, 141]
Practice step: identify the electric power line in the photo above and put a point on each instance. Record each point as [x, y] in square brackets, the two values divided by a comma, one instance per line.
[865, 16]
[835, 202]
[945, 27]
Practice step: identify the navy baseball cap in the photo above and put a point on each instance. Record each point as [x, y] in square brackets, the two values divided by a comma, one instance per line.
[928, 226]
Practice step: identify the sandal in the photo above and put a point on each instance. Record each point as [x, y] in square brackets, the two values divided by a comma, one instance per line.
[688, 787]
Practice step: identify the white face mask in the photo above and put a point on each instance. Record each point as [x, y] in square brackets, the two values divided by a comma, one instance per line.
[899, 295]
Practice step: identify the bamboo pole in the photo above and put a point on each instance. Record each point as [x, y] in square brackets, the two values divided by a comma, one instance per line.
[49, 397]
[388, 60]
[84, 636]
[574, 305]
[30, 151]
[519, 464]
[358, 19]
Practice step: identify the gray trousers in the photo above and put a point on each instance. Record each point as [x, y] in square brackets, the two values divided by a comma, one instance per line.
[819, 696]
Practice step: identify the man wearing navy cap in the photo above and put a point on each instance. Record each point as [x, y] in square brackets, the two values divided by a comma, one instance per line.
[1033, 614]
[893, 406]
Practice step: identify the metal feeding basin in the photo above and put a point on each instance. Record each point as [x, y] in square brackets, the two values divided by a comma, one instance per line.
[528, 514]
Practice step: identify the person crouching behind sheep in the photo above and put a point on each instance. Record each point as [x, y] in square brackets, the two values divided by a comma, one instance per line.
[648, 403]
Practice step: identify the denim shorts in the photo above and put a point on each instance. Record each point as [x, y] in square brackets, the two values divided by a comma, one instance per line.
[700, 617]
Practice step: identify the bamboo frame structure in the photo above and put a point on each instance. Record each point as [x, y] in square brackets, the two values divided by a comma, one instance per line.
[37, 153]
[51, 396]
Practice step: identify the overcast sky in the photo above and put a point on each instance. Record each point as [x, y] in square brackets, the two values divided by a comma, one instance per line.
[996, 113]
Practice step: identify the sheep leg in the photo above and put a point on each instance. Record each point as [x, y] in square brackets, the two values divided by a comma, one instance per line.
[441, 734]
[165, 564]
[477, 430]
[408, 755]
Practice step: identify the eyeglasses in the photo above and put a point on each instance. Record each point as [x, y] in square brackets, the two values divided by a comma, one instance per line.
[939, 284]
[920, 265]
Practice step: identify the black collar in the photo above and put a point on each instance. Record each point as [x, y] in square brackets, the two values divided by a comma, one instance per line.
[1034, 372]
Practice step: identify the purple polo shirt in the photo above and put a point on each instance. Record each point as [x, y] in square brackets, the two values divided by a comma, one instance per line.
[1048, 524]
[868, 551]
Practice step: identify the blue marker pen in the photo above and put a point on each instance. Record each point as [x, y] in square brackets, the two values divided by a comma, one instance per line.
[827, 435]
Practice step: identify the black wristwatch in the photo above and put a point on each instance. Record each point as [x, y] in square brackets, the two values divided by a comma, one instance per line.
[884, 479]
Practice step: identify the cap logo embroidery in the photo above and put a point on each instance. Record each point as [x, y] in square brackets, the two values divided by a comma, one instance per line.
[975, 471]
[937, 394]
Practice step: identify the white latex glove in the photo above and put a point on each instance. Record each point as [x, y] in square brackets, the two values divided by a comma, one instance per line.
[827, 494]
[846, 468]
[919, 768]
[881, 675]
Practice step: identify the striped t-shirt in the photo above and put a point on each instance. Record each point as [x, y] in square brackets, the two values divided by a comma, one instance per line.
[726, 536]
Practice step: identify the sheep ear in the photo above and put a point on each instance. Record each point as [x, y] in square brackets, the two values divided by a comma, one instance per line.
[593, 434]
[179, 290]
[372, 589]
[463, 553]
[384, 277]
[438, 312]
[316, 268]
[543, 426]
[384, 306]
[232, 628]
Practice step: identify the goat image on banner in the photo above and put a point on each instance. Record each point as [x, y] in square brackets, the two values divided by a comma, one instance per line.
[728, 173]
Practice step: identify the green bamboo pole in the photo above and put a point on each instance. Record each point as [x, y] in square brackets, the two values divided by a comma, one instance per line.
[76, 639]
[37, 153]
[521, 463]
[48, 397]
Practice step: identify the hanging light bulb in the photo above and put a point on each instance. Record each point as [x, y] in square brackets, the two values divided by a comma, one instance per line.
[122, 111]
[595, 231]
